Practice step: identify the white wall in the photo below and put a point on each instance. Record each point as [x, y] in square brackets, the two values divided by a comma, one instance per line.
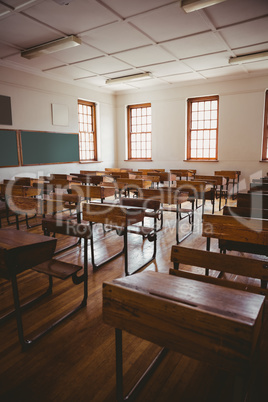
[31, 99]
[241, 108]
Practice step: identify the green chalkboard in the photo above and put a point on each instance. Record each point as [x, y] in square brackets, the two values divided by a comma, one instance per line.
[8, 148]
[40, 148]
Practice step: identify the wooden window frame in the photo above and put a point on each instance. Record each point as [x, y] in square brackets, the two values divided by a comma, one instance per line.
[265, 130]
[93, 114]
[129, 108]
[190, 101]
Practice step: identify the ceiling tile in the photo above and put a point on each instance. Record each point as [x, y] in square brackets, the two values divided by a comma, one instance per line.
[257, 66]
[103, 65]
[126, 8]
[69, 72]
[77, 53]
[172, 79]
[195, 45]
[145, 56]
[245, 34]
[6, 50]
[4, 10]
[173, 67]
[76, 17]
[169, 22]
[22, 31]
[251, 49]
[234, 11]
[116, 37]
[209, 61]
[42, 62]
[223, 71]
[16, 4]
[98, 81]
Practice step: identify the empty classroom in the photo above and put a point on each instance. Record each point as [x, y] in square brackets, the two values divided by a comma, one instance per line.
[133, 200]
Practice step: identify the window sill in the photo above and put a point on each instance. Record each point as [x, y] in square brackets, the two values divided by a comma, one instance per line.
[264, 160]
[200, 160]
[83, 162]
[138, 160]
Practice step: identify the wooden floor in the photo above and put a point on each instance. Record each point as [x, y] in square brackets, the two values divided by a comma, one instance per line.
[76, 361]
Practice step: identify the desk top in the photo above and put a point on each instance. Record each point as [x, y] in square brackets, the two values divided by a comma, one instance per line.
[21, 250]
[201, 320]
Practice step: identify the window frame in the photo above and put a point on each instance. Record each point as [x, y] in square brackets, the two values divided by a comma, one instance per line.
[190, 101]
[129, 108]
[265, 129]
[92, 105]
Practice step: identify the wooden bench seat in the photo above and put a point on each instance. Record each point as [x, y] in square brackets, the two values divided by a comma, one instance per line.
[58, 269]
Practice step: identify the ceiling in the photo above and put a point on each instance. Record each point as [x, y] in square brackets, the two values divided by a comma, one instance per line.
[125, 37]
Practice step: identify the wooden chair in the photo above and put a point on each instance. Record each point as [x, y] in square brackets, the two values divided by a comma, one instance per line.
[225, 263]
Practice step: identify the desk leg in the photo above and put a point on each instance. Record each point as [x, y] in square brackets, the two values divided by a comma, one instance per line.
[119, 370]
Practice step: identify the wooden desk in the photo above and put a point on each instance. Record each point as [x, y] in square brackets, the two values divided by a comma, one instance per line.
[217, 325]
[121, 218]
[230, 175]
[93, 192]
[171, 195]
[218, 182]
[252, 200]
[135, 185]
[244, 234]
[20, 251]
[183, 173]
[197, 189]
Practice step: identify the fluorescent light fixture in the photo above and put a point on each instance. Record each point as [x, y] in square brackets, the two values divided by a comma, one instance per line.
[247, 58]
[51, 47]
[126, 78]
[194, 5]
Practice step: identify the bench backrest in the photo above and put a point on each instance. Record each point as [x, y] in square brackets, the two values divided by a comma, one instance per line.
[248, 267]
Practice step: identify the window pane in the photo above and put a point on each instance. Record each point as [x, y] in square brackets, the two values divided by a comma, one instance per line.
[140, 126]
[87, 136]
[202, 131]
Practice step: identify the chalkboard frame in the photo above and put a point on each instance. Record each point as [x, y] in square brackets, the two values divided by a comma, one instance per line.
[50, 144]
[10, 146]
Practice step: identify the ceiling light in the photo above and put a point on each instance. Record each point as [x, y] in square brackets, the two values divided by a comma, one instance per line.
[51, 47]
[133, 77]
[194, 5]
[247, 58]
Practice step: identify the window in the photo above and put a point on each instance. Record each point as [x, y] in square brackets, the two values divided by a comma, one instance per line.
[87, 131]
[265, 130]
[202, 128]
[140, 131]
